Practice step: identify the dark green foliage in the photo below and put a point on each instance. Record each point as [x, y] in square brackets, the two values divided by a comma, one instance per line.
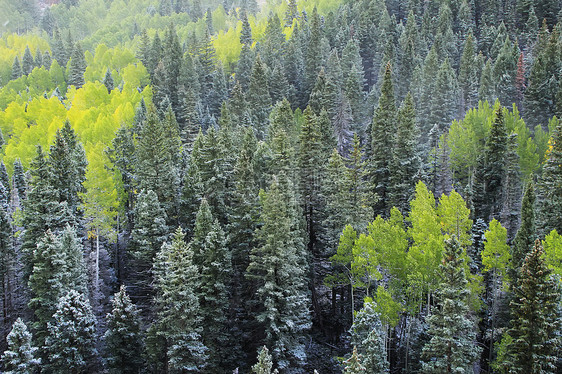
[214, 268]
[108, 81]
[443, 102]
[367, 336]
[123, 338]
[246, 35]
[526, 234]
[452, 343]
[278, 267]
[550, 186]
[382, 142]
[71, 340]
[16, 69]
[511, 189]
[27, 63]
[405, 164]
[258, 98]
[178, 324]
[20, 356]
[535, 317]
[77, 67]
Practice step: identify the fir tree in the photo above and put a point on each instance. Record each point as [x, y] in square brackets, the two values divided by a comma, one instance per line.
[550, 186]
[367, 336]
[526, 235]
[213, 261]
[71, 340]
[20, 356]
[487, 90]
[353, 364]
[16, 69]
[405, 162]
[178, 320]
[280, 276]
[443, 103]
[535, 317]
[382, 130]
[77, 67]
[264, 364]
[108, 81]
[452, 343]
[511, 189]
[123, 337]
[27, 63]
[258, 98]
[246, 35]
[47, 60]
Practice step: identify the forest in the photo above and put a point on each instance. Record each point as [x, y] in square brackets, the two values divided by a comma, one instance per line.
[281, 186]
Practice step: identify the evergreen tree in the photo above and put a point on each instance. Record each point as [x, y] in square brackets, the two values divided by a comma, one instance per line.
[353, 364]
[550, 186]
[526, 235]
[280, 276]
[535, 317]
[20, 184]
[405, 162]
[71, 340]
[259, 101]
[382, 139]
[148, 235]
[47, 60]
[264, 364]
[16, 69]
[487, 90]
[452, 343]
[27, 63]
[178, 320]
[511, 189]
[443, 103]
[108, 81]
[313, 54]
[20, 356]
[172, 60]
[213, 261]
[367, 336]
[77, 67]
[505, 70]
[246, 35]
[123, 337]
[291, 13]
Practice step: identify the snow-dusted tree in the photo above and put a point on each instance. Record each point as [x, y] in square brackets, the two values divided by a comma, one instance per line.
[71, 341]
[452, 345]
[20, 358]
[278, 267]
[367, 336]
[178, 323]
[123, 338]
[353, 364]
[264, 364]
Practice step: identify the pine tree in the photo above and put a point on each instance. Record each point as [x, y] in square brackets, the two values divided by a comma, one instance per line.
[353, 364]
[264, 364]
[77, 67]
[511, 189]
[550, 186]
[47, 60]
[213, 261]
[148, 235]
[280, 276]
[20, 184]
[71, 341]
[526, 235]
[246, 35]
[16, 69]
[20, 356]
[27, 63]
[505, 70]
[443, 103]
[258, 98]
[291, 13]
[313, 53]
[487, 90]
[123, 338]
[368, 339]
[535, 317]
[172, 61]
[405, 162]
[382, 139]
[452, 343]
[108, 81]
[178, 320]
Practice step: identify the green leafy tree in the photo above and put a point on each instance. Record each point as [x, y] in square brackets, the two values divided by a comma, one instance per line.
[452, 332]
[71, 341]
[20, 355]
[123, 338]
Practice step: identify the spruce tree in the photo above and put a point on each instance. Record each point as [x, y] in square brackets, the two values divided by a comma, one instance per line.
[452, 333]
[258, 98]
[178, 320]
[382, 140]
[405, 164]
[71, 341]
[264, 364]
[443, 103]
[526, 235]
[108, 81]
[368, 339]
[213, 261]
[16, 69]
[123, 338]
[280, 276]
[535, 320]
[20, 184]
[20, 355]
[550, 186]
[353, 364]
[77, 67]
[511, 189]
[27, 63]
